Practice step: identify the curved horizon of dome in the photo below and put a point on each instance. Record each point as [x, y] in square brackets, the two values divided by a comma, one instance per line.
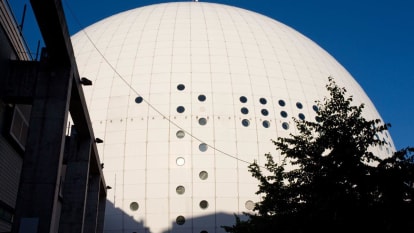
[185, 95]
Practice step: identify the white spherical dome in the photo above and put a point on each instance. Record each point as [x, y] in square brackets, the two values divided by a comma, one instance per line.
[186, 95]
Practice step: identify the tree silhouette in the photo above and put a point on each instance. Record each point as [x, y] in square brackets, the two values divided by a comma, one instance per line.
[330, 180]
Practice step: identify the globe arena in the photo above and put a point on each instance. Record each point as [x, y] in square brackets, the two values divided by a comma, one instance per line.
[185, 96]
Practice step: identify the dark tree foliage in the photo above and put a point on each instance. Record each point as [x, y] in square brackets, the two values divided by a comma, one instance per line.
[330, 181]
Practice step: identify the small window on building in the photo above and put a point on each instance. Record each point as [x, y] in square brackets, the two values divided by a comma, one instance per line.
[282, 103]
[283, 114]
[318, 119]
[180, 87]
[134, 206]
[202, 98]
[249, 205]
[180, 220]
[244, 110]
[243, 99]
[245, 122]
[315, 108]
[301, 116]
[285, 125]
[180, 134]
[180, 190]
[138, 100]
[203, 204]
[203, 175]
[202, 147]
[180, 109]
[265, 112]
[180, 161]
[263, 100]
[19, 125]
[266, 124]
[299, 105]
[202, 121]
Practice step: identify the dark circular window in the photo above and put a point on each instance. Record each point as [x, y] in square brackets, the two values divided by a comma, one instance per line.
[318, 119]
[243, 99]
[202, 121]
[180, 190]
[202, 147]
[180, 87]
[299, 105]
[138, 100]
[180, 109]
[301, 116]
[283, 114]
[203, 204]
[203, 175]
[244, 110]
[263, 101]
[315, 108]
[265, 112]
[134, 206]
[180, 220]
[245, 122]
[282, 103]
[266, 124]
[201, 98]
[285, 125]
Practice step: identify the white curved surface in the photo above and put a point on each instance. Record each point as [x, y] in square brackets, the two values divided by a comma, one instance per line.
[218, 51]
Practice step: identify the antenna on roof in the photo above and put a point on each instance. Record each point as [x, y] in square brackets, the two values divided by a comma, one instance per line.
[23, 16]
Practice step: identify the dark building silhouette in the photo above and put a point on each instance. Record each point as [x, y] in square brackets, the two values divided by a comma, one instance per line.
[51, 178]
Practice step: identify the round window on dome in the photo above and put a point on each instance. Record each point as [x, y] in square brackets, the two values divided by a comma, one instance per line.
[301, 116]
[180, 109]
[180, 190]
[244, 110]
[134, 206]
[299, 105]
[249, 205]
[245, 122]
[285, 125]
[202, 98]
[180, 87]
[263, 101]
[318, 119]
[180, 220]
[282, 103]
[315, 108]
[283, 114]
[203, 204]
[243, 99]
[202, 147]
[138, 100]
[203, 175]
[265, 112]
[180, 134]
[180, 161]
[202, 121]
[266, 124]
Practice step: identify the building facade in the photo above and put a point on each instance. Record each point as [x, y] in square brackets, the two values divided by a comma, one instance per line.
[50, 174]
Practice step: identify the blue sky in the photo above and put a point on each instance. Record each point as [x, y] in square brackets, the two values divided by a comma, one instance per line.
[372, 39]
